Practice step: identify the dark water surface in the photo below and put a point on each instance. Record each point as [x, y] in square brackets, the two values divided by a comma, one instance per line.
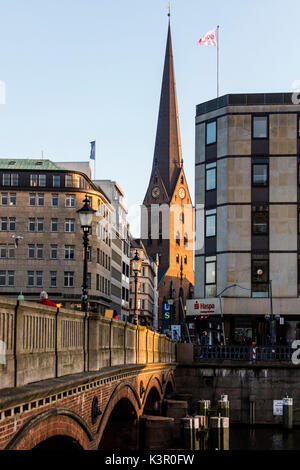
[263, 439]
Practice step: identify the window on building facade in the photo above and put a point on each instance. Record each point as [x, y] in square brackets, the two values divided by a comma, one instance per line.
[211, 132]
[31, 251]
[40, 225]
[211, 176]
[13, 199]
[40, 251]
[53, 252]
[177, 238]
[210, 222]
[34, 180]
[260, 220]
[185, 260]
[32, 199]
[177, 259]
[97, 282]
[260, 127]
[55, 200]
[54, 225]
[260, 275]
[31, 226]
[70, 200]
[39, 278]
[56, 181]
[53, 278]
[4, 199]
[12, 224]
[41, 199]
[89, 280]
[2, 278]
[42, 181]
[70, 225]
[68, 181]
[3, 251]
[210, 276]
[260, 174]
[30, 278]
[6, 179]
[14, 179]
[69, 252]
[11, 278]
[4, 224]
[68, 279]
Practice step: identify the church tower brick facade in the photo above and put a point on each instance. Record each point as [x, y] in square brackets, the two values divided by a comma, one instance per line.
[167, 211]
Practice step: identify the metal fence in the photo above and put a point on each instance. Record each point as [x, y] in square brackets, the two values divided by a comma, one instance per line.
[242, 353]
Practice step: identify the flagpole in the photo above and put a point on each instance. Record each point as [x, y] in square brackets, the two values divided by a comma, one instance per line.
[95, 163]
[218, 60]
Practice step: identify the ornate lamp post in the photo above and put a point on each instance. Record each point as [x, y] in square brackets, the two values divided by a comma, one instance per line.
[86, 218]
[136, 265]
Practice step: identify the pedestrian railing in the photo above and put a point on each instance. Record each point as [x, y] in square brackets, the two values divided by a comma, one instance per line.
[242, 353]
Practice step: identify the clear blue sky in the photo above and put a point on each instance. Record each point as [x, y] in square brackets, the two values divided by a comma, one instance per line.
[82, 70]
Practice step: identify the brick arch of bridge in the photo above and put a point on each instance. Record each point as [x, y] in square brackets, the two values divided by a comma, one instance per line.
[122, 390]
[169, 384]
[154, 383]
[50, 423]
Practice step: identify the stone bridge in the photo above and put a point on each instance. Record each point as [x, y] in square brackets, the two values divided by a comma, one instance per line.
[73, 380]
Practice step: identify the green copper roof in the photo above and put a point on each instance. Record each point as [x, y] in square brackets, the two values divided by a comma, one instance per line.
[27, 164]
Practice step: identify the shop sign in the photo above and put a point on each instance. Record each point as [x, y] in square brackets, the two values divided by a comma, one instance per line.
[203, 307]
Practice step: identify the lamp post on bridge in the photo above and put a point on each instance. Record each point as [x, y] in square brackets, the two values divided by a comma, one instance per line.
[86, 218]
[136, 265]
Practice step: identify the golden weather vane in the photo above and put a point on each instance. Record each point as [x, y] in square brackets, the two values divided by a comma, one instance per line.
[169, 9]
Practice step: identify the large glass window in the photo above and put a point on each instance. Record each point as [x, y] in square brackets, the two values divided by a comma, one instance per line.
[69, 252]
[211, 132]
[260, 174]
[260, 127]
[68, 181]
[55, 200]
[210, 276]
[70, 200]
[69, 225]
[210, 223]
[6, 179]
[260, 220]
[211, 173]
[260, 275]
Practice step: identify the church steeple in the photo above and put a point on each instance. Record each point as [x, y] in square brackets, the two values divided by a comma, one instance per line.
[167, 152]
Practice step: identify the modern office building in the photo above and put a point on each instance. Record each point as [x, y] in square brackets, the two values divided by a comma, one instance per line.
[147, 286]
[247, 193]
[39, 203]
[120, 261]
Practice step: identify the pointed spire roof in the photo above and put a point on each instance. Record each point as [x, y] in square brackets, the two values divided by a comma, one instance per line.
[167, 152]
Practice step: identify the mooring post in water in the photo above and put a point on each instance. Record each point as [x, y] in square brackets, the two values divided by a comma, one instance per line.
[223, 406]
[203, 407]
[187, 432]
[219, 433]
[287, 412]
[200, 432]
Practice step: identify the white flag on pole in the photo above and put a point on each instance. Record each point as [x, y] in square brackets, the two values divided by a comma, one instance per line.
[209, 38]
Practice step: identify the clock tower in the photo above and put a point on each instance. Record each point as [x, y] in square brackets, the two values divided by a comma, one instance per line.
[167, 212]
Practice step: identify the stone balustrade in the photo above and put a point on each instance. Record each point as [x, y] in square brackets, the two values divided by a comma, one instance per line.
[39, 342]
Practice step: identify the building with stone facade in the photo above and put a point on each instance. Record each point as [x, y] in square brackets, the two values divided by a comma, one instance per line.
[39, 203]
[248, 198]
[147, 286]
[120, 261]
[167, 211]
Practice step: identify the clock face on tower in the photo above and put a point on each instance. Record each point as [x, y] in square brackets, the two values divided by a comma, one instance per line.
[155, 192]
[181, 193]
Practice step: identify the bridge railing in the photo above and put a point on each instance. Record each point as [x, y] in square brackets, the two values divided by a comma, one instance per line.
[242, 353]
[42, 342]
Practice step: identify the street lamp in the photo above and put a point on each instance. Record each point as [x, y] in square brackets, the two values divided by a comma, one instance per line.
[136, 265]
[86, 218]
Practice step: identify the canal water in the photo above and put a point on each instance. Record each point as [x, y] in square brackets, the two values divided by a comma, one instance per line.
[241, 438]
